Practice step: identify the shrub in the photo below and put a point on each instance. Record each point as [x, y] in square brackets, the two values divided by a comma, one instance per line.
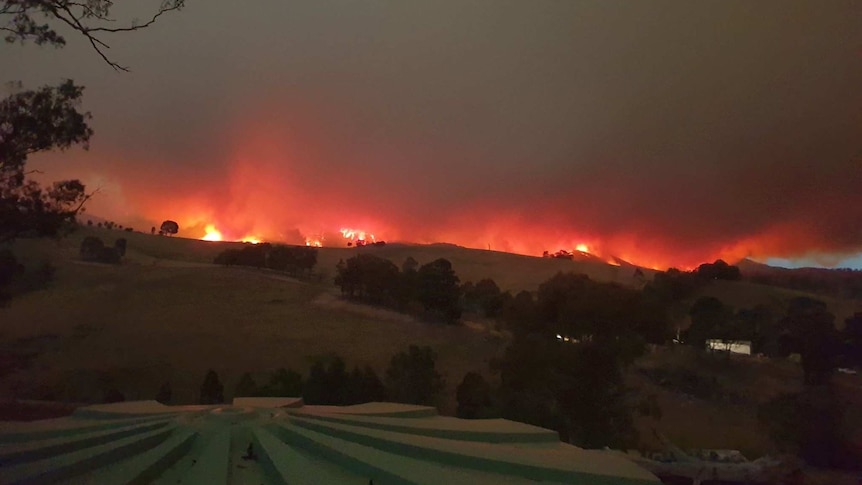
[212, 390]
[283, 383]
[412, 378]
[474, 397]
[9, 270]
[91, 248]
[246, 387]
[120, 246]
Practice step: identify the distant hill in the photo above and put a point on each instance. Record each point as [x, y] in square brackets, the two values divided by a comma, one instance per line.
[840, 283]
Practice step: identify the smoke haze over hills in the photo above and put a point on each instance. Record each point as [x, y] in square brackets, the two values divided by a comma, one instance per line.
[664, 133]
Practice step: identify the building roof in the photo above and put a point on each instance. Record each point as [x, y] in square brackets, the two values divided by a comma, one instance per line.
[280, 440]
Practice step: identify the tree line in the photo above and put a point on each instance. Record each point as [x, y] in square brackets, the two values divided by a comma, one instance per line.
[430, 291]
[843, 283]
[297, 261]
[410, 378]
[574, 386]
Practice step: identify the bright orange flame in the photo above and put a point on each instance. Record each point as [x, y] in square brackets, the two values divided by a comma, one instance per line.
[582, 248]
[250, 239]
[314, 242]
[212, 234]
[356, 235]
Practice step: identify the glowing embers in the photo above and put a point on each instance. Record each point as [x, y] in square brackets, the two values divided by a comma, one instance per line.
[211, 234]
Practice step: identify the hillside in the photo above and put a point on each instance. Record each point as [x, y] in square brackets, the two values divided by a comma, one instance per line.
[152, 320]
[745, 294]
[168, 314]
[511, 271]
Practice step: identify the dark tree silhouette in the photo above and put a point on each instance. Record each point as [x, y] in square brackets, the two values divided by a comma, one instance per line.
[438, 291]
[368, 278]
[810, 330]
[412, 377]
[486, 296]
[474, 397]
[719, 270]
[91, 248]
[327, 383]
[283, 383]
[520, 314]
[120, 246]
[169, 228]
[366, 386]
[710, 319]
[10, 268]
[246, 387]
[212, 390]
[31, 122]
[294, 260]
[852, 337]
[409, 265]
[576, 389]
[759, 325]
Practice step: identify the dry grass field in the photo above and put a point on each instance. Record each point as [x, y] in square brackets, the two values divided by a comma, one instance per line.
[154, 319]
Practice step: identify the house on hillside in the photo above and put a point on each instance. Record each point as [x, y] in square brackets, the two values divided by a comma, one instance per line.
[732, 346]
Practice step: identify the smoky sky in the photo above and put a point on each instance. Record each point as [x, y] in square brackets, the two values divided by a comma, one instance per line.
[666, 133]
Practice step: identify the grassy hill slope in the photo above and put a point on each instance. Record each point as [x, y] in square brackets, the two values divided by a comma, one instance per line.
[152, 320]
[168, 314]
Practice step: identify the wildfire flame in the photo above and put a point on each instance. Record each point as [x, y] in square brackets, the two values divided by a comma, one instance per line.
[314, 242]
[583, 248]
[211, 234]
[356, 235]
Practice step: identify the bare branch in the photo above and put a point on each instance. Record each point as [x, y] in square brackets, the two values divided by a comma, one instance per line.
[97, 44]
[76, 15]
[85, 199]
[158, 14]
